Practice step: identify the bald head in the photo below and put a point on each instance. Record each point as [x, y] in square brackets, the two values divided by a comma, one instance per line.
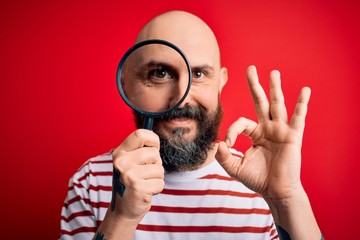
[187, 31]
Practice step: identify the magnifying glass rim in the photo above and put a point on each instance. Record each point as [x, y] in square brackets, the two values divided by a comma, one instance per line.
[126, 55]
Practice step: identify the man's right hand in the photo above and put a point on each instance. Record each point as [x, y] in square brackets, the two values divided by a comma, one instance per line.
[141, 172]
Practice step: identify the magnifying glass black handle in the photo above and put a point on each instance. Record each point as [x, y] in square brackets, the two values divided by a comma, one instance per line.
[148, 123]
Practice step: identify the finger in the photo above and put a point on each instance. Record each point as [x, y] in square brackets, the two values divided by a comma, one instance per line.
[137, 139]
[141, 172]
[226, 160]
[241, 126]
[151, 171]
[298, 119]
[154, 186]
[141, 156]
[130, 177]
[258, 94]
[277, 102]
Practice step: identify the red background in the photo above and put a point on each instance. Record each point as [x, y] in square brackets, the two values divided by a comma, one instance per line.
[60, 106]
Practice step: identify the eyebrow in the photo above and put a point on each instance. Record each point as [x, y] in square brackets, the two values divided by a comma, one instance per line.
[157, 63]
[154, 63]
[204, 66]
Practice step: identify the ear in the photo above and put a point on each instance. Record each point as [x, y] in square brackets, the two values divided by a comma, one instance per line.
[223, 78]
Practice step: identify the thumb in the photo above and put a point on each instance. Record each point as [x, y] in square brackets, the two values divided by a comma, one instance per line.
[227, 160]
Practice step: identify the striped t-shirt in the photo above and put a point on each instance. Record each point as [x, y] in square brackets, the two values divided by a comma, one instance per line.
[202, 204]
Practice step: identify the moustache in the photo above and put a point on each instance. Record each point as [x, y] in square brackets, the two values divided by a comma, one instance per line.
[197, 113]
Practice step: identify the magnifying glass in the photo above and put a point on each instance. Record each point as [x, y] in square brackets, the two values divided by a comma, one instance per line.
[153, 78]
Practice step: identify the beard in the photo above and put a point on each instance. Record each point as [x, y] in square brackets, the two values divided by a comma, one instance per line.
[177, 153]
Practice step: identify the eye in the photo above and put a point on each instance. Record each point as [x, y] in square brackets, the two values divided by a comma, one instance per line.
[198, 74]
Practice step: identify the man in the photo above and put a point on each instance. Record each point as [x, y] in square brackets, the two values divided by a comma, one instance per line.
[178, 182]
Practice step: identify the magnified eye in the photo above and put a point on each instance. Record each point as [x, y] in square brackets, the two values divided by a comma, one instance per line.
[159, 73]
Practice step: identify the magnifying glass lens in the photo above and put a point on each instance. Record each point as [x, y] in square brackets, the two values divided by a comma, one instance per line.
[154, 78]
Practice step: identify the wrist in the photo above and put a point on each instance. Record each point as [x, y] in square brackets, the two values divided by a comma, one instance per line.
[293, 213]
[116, 226]
[286, 204]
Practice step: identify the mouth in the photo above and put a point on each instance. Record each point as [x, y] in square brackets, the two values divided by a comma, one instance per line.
[178, 127]
[179, 122]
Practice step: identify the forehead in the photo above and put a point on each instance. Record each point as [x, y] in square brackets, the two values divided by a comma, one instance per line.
[156, 55]
[155, 51]
[187, 32]
[199, 55]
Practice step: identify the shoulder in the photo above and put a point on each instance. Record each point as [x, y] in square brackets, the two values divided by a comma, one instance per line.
[97, 163]
[100, 166]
